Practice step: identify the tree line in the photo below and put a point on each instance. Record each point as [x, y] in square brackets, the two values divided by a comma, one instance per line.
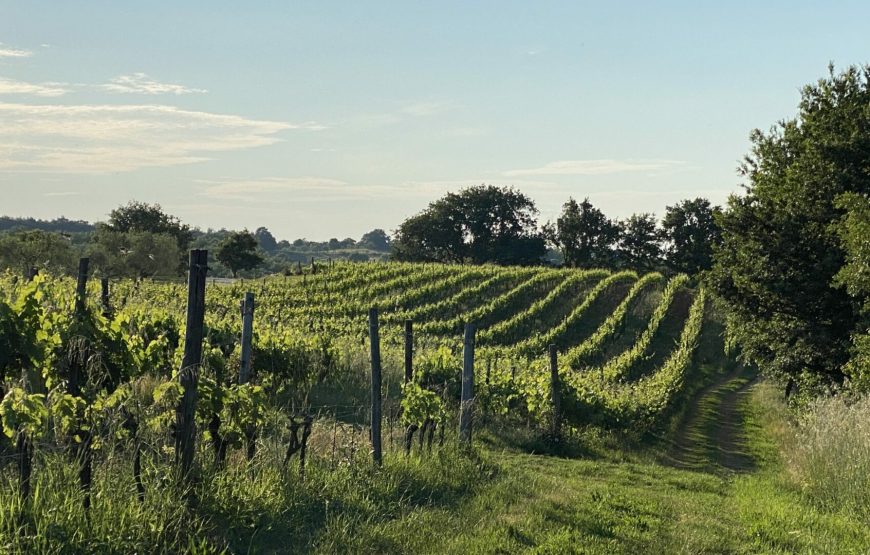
[141, 240]
[498, 225]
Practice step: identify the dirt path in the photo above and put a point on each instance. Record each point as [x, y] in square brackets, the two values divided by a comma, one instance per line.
[710, 436]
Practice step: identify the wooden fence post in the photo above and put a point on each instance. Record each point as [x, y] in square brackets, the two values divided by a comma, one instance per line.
[104, 297]
[409, 350]
[313, 266]
[555, 395]
[467, 400]
[189, 374]
[247, 337]
[82, 287]
[376, 385]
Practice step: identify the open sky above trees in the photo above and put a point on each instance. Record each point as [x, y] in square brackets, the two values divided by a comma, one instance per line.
[331, 119]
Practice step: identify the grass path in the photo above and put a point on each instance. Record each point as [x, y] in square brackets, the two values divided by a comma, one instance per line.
[711, 435]
[719, 487]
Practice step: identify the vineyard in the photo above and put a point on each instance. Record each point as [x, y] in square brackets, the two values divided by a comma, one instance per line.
[98, 376]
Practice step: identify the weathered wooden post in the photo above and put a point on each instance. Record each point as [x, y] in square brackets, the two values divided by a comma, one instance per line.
[247, 337]
[104, 297]
[313, 266]
[298, 267]
[409, 350]
[188, 376]
[376, 384]
[555, 395]
[467, 400]
[82, 287]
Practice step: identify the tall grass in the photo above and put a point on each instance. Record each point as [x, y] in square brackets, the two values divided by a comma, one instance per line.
[259, 506]
[829, 455]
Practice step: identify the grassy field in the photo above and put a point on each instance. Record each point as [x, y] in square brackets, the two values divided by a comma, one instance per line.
[720, 487]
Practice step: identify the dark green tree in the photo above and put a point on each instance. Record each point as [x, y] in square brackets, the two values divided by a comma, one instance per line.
[266, 240]
[854, 233]
[640, 242]
[376, 239]
[138, 216]
[478, 225]
[586, 237]
[135, 254]
[239, 252]
[23, 250]
[777, 266]
[691, 232]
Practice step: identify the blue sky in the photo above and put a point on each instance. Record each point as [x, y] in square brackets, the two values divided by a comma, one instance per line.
[327, 119]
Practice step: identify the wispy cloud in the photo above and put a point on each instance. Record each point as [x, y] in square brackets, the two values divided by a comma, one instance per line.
[62, 194]
[7, 52]
[117, 138]
[251, 189]
[426, 108]
[140, 83]
[11, 86]
[595, 167]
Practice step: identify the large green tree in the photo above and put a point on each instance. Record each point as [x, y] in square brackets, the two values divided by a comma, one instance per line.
[690, 230]
[586, 237]
[854, 233]
[781, 253]
[478, 224]
[239, 252]
[138, 216]
[640, 242]
[136, 254]
[44, 250]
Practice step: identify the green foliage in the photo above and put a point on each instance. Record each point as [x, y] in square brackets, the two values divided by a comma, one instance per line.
[478, 225]
[44, 250]
[640, 242]
[691, 232]
[139, 217]
[585, 236]
[136, 254]
[239, 252]
[420, 404]
[780, 253]
[23, 412]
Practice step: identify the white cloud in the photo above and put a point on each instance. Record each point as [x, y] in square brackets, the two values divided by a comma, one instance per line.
[595, 167]
[250, 189]
[140, 83]
[62, 194]
[11, 86]
[6, 52]
[117, 138]
[423, 109]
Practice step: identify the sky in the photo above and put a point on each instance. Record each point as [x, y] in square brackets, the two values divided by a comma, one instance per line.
[329, 119]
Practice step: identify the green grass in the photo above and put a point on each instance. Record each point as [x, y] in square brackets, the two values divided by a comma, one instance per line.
[720, 484]
[627, 501]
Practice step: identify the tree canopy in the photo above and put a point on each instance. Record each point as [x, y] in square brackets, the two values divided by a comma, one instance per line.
[478, 224]
[781, 257]
[691, 232]
[585, 235]
[239, 252]
[138, 216]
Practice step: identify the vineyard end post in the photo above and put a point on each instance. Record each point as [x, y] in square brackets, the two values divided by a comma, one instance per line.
[376, 385]
[555, 394]
[247, 337]
[82, 286]
[467, 400]
[409, 350]
[188, 376]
